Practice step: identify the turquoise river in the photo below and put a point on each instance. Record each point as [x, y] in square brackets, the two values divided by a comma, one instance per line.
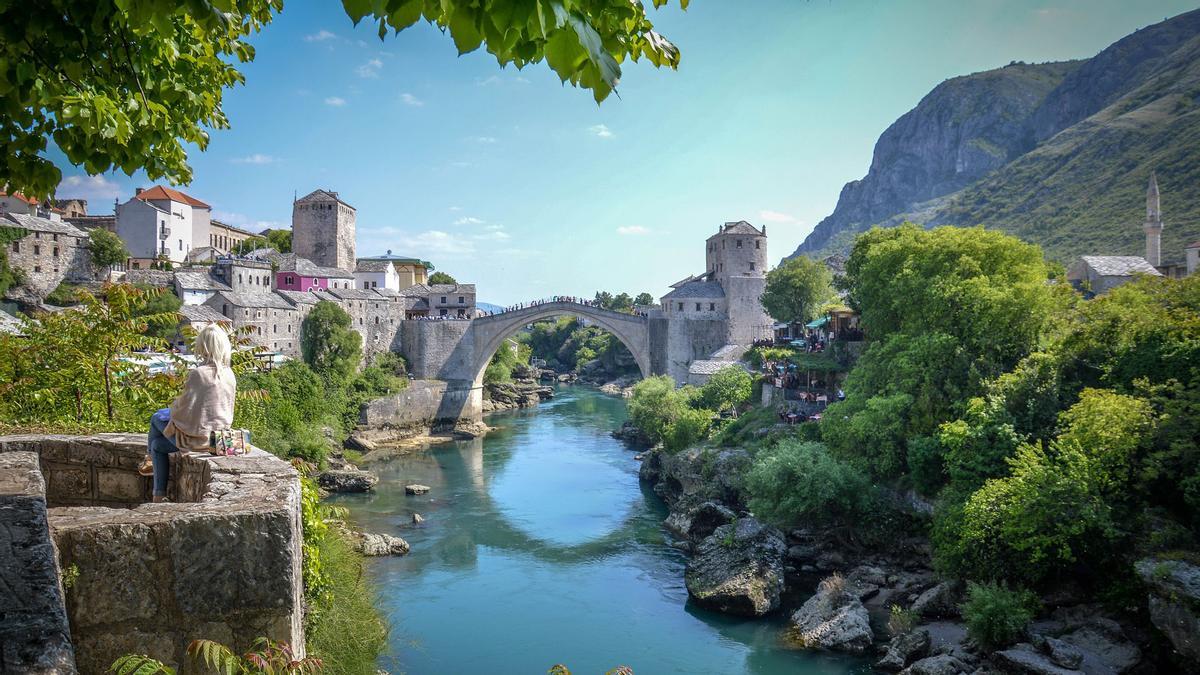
[539, 547]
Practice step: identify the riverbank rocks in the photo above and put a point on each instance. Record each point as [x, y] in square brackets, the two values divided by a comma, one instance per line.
[630, 434]
[360, 443]
[833, 619]
[1025, 658]
[416, 489]
[738, 569]
[1103, 643]
[1174, 602]
[938, 602]
[698, 522]
[904, 649]
[509, 395]
[347, 480]
[371, 544]
[941, 664]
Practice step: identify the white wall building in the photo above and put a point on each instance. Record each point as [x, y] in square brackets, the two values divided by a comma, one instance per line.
[162, 222]
[371, 274]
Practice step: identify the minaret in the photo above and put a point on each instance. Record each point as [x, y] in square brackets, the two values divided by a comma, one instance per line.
[1154, 225]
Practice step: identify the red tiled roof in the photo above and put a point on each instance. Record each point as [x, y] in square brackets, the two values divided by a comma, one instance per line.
[18, 195]
[159, 192]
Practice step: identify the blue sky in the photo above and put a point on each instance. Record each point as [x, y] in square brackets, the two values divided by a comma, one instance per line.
[507, 179]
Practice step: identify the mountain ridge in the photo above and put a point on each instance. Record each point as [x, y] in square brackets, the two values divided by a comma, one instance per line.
[1057, 153]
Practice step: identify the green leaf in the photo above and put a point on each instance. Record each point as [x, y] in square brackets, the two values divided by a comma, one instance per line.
[405, 15]
[356, 9]
[462, 28]
[564, 54]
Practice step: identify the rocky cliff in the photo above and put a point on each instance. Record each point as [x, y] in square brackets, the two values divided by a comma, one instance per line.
[1057, 153]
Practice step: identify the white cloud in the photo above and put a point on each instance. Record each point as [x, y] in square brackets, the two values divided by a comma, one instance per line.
[494, 80]
[335, 101]
[632, 230]
[455, 208]
[494, 235]
[320, 36]
[482, 140]
[370, 69]
[601, 131]
[408, 99]
[256, 158]
[777, 216]
[468, 220]
[88, 187]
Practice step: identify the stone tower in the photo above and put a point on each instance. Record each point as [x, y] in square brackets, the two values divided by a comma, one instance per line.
[1154, 224]
[323, 229]
[736, 258]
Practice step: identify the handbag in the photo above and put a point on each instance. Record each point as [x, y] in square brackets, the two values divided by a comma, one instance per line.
[229, 442]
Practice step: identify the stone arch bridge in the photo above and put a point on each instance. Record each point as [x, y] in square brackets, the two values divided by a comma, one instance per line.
[458, 351]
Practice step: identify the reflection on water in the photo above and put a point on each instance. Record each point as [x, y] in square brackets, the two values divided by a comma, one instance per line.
[539, 546]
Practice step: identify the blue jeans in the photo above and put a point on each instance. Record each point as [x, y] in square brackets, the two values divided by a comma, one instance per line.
[160, 446]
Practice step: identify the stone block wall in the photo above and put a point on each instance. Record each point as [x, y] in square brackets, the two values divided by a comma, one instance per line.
[48, 259]
[222, 561]
[34, 636]
[434, 348]
[424, 406]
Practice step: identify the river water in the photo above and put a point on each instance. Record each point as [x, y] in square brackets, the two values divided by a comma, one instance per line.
[539, 546]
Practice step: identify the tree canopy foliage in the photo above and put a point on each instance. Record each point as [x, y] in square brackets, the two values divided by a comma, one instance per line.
[441, 278]
[126, 84]
[328, 343]
[106, 249]
[796, 289]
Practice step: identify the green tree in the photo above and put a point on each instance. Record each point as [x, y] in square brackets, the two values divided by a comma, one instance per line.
[329, 344]
[800, 482]
[160, 303]
[644, 299]
[280, 240]
[441, 278]
[622, 302]
[726, 389]
[106, 249]
[604, 299]
[120, 85]
[796, 289]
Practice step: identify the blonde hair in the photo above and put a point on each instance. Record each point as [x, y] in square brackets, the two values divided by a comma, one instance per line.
[212, 346]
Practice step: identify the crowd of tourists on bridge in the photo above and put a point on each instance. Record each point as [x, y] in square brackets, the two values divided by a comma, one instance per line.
[557, 299]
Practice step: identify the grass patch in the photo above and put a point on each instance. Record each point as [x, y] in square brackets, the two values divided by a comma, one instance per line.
[348, 632]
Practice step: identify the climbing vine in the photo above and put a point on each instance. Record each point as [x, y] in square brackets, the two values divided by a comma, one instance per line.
[9, 277]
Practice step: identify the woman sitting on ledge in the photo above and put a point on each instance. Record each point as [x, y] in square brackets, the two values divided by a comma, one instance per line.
[204, 406]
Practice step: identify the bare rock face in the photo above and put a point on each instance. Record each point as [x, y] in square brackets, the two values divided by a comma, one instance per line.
[416, 489]
[904, 649]
[698, 522]
[371, 544]
[942, 664]
[347, 480]
[1175, 602]
[941, 601]
[833, 619]
[738, 569]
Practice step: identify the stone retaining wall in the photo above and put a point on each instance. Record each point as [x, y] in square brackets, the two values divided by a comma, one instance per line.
[222, 561]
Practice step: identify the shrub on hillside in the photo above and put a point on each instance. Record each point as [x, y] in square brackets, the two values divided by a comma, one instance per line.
[797, 481]
[997, 616]
[726, 389]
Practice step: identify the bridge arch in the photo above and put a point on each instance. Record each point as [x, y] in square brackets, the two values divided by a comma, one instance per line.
[490, 332]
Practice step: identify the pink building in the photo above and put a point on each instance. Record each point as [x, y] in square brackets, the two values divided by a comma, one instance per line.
[301, 274]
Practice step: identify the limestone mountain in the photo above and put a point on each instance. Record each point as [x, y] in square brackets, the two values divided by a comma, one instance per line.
[1056, 153]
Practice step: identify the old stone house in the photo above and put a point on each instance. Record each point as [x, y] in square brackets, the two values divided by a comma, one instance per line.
[323, 229]
[50, 252]
[408, 271]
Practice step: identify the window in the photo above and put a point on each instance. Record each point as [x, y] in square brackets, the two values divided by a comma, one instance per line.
[462, 300]
[289, 280]
[37, 249]
[56, 251]
[443, 312]
[37, 268]
[376, 319]
[239, 277]
[360, 321]
[37, 235]
[275, 328]
[54, 237]
[289, 327]
[697, 307]
[712, 306]
[225, 309]
[245, 314]
[681, 306]
[16, 247]
[180, 244]
[443, 299]
[739, 243]
[757, 243]
[752, 266]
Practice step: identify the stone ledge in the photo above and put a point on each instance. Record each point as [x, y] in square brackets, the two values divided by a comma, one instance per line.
[222, 561]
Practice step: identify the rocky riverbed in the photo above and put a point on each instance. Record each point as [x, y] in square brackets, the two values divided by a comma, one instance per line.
[839, 595]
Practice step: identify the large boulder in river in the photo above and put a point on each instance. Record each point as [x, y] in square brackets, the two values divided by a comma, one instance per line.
[834, 619]
[347, 480]
[700, 521]
[738, 569]
[1174, 602]
[371, 544]
[942, 664]
[904, 649]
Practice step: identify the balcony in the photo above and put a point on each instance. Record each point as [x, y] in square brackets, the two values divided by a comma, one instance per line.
[164, 232]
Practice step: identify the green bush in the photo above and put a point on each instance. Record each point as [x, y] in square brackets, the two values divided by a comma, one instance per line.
[688, 426]
[727, 388]
[798, 481]
[870, 432]
[997, 616]
[925, 464]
